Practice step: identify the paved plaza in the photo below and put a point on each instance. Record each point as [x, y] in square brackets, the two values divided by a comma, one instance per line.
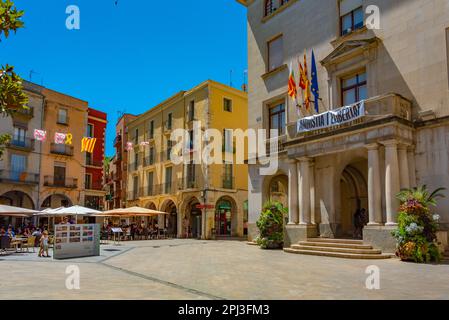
[191, 269]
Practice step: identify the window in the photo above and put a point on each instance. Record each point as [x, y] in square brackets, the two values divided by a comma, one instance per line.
[59, 174]
[150, 183]
[191, 140]
[277, 118]
[351, 16]
[151, 156]
[18, 166]
[19, 137]
[88, 181]
[191, 111]
[227, 176]
[169, 148]
[190, 175]
[170, 121]
[273, 5]
[275, 53]
[151, 130]
[227, 105]
[228, 141]
[63, 116]
[90, 131]
[135, 187]
[353, 89]
[136, 136]
[168, 179]
[88, 159]
[447, 52]
[136, 163]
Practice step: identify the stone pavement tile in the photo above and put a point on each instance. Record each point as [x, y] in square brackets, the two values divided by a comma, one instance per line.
[234, 270]
[46, 280]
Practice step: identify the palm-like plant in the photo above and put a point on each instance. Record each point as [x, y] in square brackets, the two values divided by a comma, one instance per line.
[422, 195]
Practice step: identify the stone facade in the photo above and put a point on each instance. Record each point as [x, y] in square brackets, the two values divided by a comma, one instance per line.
[400, 142]
[190, 185]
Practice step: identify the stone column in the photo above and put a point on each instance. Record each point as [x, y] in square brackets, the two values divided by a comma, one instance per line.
[374, 191]
[392, 183]
[312, 193]
[304, 191]
[293, 193]
[411, 165]
[403, 167]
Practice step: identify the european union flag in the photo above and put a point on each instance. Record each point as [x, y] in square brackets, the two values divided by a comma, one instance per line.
[315, 88]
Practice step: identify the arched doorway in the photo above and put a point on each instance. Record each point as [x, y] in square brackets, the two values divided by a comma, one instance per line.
[17, 199]
[278, 189]
[193, 218]
[353, 196]
[55, 201]
[225, 217]
[171, 220]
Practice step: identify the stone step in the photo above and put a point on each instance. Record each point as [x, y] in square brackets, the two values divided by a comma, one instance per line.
[331, 240]
[336, 245]
[339, 254]
[336, 249]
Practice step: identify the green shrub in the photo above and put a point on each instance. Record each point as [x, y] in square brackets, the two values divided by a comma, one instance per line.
[417, 226]
[271, 226]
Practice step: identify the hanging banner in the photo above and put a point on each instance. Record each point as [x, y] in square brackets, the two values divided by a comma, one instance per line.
[88, 144]
[129, 146]
[40, 135]
[144, 143]
[332, 118]
[63, 138]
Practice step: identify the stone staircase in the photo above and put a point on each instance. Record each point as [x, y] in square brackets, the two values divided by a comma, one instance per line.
[339, 248]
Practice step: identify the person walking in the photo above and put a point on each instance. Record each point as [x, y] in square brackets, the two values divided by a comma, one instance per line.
[43, 247]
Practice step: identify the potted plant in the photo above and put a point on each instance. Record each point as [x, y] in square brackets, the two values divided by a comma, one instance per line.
[417, 225]
[271, 226]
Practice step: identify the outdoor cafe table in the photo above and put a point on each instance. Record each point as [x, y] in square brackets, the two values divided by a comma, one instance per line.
[18, 241]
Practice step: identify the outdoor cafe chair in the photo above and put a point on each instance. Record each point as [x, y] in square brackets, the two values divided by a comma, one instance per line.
[29, 244]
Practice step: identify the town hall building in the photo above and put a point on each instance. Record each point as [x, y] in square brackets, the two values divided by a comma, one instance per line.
[396, 75]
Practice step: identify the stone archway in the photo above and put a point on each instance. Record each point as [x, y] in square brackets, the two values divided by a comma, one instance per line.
[55, 201]
[226, 217]
[17, 199]
[353, 196]
[171, 220]
[278, 189]
[193, 218]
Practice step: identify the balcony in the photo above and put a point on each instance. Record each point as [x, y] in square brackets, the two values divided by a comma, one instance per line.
[150, 191]
[133, 195]
[117, 140]
[27, 113]
[377, 110]
[94, 163]
[97, 185]
[133, 166]
[166, 188]
[61, 149]
[148, 161]
[19, 177]
[188, 183]
[23, 144]
[60, 182]
[227, 182]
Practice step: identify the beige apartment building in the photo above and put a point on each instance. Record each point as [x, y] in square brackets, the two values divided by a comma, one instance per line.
[203, 201]
[400, 71]
[20, 165]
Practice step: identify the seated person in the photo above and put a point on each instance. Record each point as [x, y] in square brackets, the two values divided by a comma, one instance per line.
[10, 233]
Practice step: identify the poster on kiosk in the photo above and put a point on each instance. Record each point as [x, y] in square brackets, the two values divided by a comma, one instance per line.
[76, 241]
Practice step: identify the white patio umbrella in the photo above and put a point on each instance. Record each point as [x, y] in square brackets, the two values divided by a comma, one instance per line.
[8, 210]
[77, 211]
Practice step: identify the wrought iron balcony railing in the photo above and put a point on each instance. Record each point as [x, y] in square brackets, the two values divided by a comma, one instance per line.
[60, 182]
[19, 177]
[25, 144]
[61, 149]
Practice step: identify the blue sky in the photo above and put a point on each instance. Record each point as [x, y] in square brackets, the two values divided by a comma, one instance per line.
[131, 56]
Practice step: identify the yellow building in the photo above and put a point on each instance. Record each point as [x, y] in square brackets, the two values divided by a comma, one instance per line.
[63, 165]
[204, 201]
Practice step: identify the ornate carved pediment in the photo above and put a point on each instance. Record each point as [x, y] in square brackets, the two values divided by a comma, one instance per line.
[349, 49]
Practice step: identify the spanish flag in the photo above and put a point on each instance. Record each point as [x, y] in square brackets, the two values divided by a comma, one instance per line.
[292, 91]
[88, 145]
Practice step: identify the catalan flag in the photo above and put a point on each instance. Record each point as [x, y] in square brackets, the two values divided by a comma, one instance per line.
[292, 91]
[88, 144]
